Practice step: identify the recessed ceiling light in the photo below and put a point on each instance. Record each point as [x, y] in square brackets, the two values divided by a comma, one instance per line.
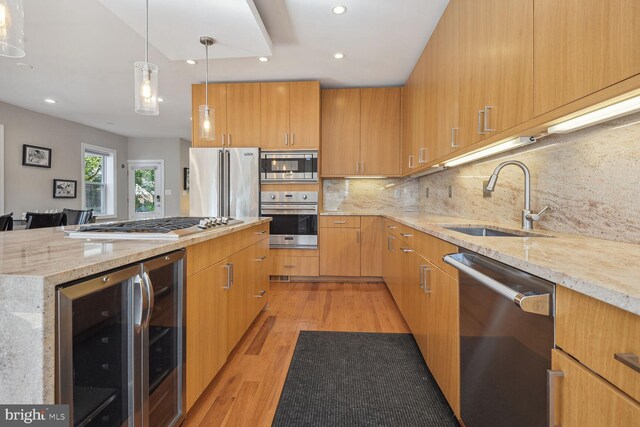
[160, 99]
[191, 61]
[338, 55]
[263, 59]
[339, 10]
[50, 101]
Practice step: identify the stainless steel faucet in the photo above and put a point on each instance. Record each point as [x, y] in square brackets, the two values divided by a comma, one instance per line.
[527, 216]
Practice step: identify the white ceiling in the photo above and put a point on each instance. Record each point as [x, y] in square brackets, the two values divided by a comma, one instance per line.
[82, 54]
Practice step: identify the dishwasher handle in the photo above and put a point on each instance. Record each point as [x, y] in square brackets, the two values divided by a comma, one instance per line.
[536, 304]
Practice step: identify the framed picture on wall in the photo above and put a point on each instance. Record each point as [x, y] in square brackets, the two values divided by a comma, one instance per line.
[36, 156]
[64, 189]
[186, 178]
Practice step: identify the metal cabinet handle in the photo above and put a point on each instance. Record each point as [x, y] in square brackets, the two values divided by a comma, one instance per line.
[487, 108]
[392, 227]
[480, 128]
[357, 236]
[389, 239]
[229, 140]
[632, 360]
[411, 161]
[261, 259]
[406, 235]
[151, 299]
[421, 158]
[288, 266]
[286, 139]
[229, 268]
[293, 138]
[357, 168]
[261, 294]
[140, 302]
[536, 304]
[339, 222]
[426, 287]
[406, 250]
[551, 377]
[261, 232]
[453, 138]
[223, 139]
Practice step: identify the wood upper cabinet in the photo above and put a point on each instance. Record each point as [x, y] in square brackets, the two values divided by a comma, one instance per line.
[496, 66]
[380, 131]
[340, 132]
[290, 115]
[243, 114]
[218, 103]
[371, 248]
[304, 114]
[206, 331]
[582, 46]
[361, 131]
[339, 251]
[583, 399]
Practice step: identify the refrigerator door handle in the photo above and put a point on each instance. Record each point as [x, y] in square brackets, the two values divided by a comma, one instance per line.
[220, 181]
[227, 185]
[140, 302]
[151, 298]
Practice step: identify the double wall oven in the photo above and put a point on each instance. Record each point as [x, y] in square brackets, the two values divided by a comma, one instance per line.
[294, 218]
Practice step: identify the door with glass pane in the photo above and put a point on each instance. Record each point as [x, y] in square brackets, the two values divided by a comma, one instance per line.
[146, 193]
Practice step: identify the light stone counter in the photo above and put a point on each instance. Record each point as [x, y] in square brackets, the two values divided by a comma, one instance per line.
[603, 269]
[32, 264]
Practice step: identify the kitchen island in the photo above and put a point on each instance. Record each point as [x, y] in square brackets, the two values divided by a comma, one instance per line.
[32, 264]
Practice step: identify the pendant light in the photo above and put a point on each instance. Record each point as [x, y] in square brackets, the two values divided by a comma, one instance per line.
[207, 119]
[12, 28]
[146, 78]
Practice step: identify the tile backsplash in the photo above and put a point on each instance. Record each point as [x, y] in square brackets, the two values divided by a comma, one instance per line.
[590, 179]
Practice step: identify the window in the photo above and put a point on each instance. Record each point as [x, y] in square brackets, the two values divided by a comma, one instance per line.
[99, 180]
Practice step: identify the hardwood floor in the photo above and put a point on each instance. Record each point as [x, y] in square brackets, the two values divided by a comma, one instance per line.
[247, 389]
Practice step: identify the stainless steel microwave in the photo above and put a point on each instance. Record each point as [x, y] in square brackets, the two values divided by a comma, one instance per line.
[288, 166]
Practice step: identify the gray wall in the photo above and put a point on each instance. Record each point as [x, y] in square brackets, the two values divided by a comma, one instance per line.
[172, 151]
[30, 188]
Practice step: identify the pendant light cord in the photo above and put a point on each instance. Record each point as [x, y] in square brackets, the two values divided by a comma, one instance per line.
[146, 35]
[206, 77]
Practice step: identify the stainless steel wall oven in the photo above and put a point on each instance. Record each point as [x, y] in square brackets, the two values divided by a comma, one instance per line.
[294, 218]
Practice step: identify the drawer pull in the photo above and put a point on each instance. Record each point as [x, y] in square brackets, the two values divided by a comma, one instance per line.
[339, 222]
[261, 294]
[261, 232]
[289, 266]
[406, 235]
[630, 359]
[391, 227]
[406, 250]
[551, 377]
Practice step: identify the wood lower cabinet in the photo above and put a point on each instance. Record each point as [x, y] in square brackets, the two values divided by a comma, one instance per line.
[227, 287]
[582, 46]
[371, 247]
[583, 399]
[339, 251]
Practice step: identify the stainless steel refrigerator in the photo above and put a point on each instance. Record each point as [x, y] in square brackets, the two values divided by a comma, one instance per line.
[224, 182]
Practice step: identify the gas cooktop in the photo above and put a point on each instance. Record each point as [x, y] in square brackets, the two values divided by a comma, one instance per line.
[160, 228]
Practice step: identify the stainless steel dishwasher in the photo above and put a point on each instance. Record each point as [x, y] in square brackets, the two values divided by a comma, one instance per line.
[506, 337]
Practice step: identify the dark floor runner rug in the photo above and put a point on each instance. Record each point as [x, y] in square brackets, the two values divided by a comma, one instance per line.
[360, 379]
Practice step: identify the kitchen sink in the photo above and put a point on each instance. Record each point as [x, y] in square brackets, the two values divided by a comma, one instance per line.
[494, 232]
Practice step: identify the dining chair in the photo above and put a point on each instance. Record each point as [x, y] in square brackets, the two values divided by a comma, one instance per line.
[76, 217]
[6, 222]
[42, 220]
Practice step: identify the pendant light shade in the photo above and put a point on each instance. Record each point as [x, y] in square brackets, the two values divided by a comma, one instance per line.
[207, 118]
[12, 28]
[146, 79]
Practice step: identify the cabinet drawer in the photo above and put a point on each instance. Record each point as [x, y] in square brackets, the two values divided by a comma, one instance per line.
[434, 249]
[295, 266]
[393, 228]
[594, 332]
[582, 398]
[339, 221]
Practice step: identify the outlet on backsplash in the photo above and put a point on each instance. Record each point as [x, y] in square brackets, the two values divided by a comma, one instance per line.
[450, 191]
[426, 192]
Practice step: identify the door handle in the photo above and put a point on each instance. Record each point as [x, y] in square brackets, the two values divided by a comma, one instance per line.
[286, 139]
[480, 129]
[229, 140]
[293, 136]
[411, 161]
[262, 258]
[389, 239]
[425, 270]
[453, 138]
[229, 268]
[487, 108]
[357, 168]
[551, 377]
[150, 298]
[223, 139]
[357, 236]
[140, 299]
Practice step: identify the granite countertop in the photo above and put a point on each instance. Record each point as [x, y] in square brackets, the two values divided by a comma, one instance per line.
[603, 269]
[32, 264]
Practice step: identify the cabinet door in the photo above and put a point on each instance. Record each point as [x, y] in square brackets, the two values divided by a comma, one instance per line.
[304, 115]
[206, 328]
[509, 93]
[274, 115]
[446, 53]
[582, 46]
[443, 332]
[339, 251]
[371, 248]
[260, 279]
[380, 131]
[238, 302]
[340, 132]
[243, 114]
[218, 103]
[406, 142]
[420, 108]
[584, 399]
